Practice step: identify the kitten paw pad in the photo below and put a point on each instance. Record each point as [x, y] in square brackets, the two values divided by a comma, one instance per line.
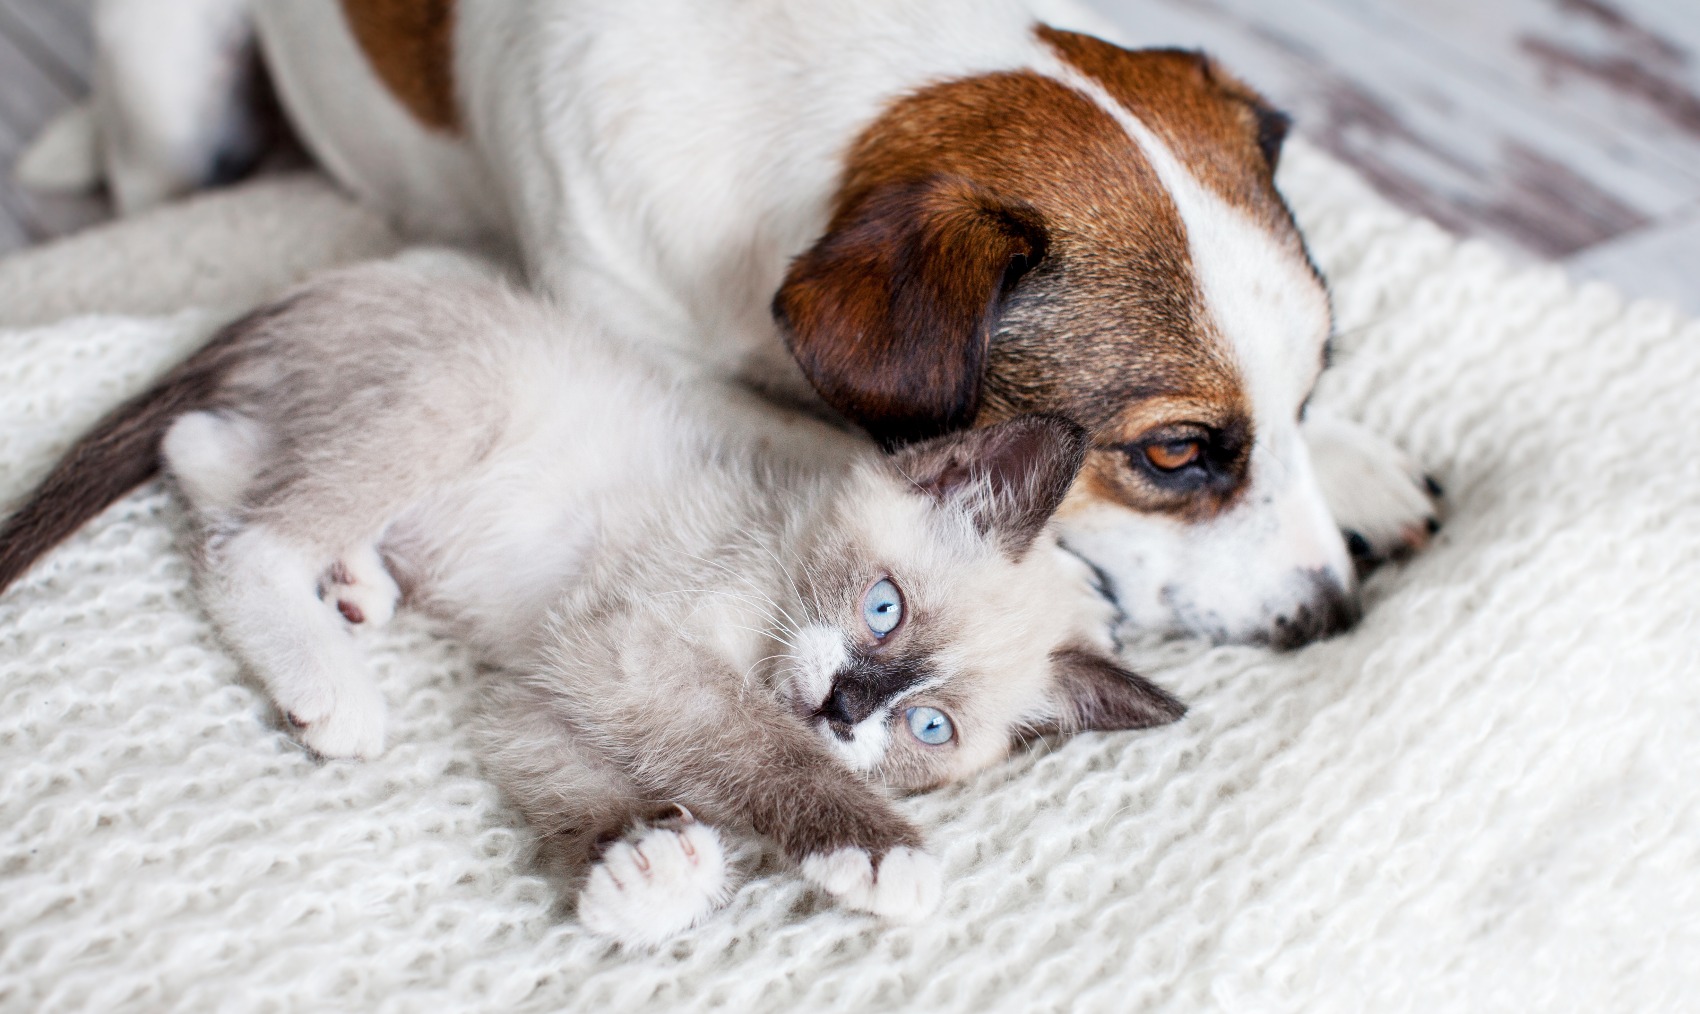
[657, 884]
[907, 885]
[346, 721]
[361, 589]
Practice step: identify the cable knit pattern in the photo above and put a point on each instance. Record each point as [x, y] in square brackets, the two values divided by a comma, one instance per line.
[1487, 796]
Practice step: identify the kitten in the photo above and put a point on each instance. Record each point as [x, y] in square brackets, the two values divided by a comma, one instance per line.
[701, 616]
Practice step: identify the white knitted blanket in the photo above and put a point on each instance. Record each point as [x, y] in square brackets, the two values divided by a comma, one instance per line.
[1485, 797]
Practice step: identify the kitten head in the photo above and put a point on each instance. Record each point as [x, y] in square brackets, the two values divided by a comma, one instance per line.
[942, 623]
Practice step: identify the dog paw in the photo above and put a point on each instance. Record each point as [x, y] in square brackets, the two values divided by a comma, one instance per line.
[341, 721]
[1385, 505]
[906, 885]
[656, 884]
[361, 589]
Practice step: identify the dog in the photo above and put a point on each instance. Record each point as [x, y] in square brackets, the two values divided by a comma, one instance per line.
[925, 214]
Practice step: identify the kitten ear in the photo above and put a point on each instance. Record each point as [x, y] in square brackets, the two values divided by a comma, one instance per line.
[1010, 477]
[1092, 693]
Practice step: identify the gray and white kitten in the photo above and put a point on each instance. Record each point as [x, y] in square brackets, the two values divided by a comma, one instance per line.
[701, 616]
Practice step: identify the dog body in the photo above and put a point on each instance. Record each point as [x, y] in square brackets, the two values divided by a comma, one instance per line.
[671, 199]
[928, 214]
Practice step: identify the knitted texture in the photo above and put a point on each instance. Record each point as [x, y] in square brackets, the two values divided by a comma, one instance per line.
[1483, 797]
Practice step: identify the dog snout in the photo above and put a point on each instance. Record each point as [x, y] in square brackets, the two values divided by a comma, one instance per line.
[1330, 608]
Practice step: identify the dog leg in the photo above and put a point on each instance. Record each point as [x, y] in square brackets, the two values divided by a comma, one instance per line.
[174, 88]
[1383, 502]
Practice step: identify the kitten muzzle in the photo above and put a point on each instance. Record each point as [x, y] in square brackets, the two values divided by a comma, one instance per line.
[865, 686]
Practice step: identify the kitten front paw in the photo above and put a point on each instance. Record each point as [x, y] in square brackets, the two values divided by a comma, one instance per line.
[650, 887]
[341, 721]
[361, 589]
[1383, 502]
[906, 886]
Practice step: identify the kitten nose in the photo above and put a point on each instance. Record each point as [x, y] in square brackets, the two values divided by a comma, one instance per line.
[845, 705]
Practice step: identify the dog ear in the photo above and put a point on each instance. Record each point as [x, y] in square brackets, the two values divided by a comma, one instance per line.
[890, 315]
[1270, 126]
[1091, 692]
[1009, 477]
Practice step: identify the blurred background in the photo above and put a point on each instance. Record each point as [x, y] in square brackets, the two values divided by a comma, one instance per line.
[1564, 130]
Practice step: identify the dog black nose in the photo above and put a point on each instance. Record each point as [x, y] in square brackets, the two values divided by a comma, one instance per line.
[1329, 610]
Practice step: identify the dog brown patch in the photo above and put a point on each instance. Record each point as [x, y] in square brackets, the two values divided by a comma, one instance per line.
[410, 45]
[1070, 287]
[1073, 286]
[1108, 316]
[1221, 129]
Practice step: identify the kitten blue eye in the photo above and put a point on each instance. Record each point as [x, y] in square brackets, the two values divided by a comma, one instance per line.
[930, 726]
[882, 607]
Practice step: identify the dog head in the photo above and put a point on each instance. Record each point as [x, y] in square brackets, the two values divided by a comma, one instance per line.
[1098, 235]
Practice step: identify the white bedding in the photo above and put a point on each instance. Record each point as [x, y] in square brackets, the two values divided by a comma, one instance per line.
[1487, 796]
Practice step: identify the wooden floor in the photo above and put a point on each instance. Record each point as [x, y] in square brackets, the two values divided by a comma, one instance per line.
[1560, 129]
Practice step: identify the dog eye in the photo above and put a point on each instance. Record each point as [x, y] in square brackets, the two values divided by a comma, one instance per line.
[882, 607]
[1173, 455]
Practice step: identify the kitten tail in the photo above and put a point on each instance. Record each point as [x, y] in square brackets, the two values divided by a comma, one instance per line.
[121, 453]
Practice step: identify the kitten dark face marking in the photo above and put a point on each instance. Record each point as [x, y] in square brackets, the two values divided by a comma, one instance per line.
[869, 683]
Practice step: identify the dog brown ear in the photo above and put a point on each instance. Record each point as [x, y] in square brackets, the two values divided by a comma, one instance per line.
[891, 313]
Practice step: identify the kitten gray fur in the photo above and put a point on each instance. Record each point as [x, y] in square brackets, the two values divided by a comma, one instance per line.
[665, 577]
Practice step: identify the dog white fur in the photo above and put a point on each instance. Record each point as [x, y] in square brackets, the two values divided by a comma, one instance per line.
[660, 165]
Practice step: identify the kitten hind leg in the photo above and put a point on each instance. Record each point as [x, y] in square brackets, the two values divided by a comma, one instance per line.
[360, 587]
[214, 456]
[266, 592]
[264, 595]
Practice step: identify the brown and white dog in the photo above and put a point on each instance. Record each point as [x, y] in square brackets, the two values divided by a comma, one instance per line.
[932, 213]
